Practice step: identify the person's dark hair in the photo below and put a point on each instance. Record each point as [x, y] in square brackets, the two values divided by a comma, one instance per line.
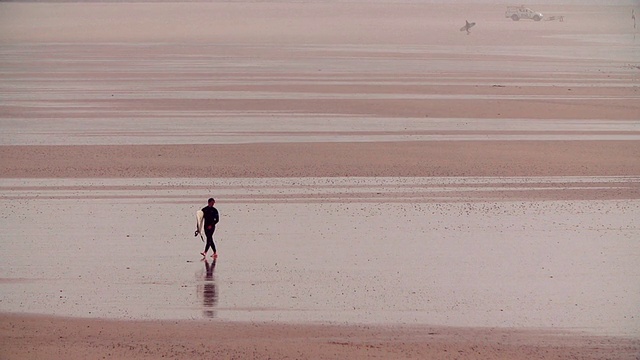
[211, 199]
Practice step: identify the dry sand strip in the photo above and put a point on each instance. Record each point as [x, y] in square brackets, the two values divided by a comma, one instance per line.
[444, 158]
[42, 337]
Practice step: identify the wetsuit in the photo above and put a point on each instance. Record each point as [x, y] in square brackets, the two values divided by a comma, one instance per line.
[211, 218]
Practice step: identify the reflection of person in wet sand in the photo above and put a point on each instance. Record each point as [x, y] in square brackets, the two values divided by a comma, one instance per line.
[210, 294]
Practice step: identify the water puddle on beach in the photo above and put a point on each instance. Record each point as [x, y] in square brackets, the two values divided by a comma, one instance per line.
[387, 250]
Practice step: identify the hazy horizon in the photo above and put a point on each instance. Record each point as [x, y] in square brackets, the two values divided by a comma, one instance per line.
[506, 2]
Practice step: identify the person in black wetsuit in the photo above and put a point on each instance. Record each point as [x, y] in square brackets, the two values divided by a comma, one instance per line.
[211, 218]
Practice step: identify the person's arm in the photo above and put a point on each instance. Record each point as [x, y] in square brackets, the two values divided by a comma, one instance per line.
[217, 217]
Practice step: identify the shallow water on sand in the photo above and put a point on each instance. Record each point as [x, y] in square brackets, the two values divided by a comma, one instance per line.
[391, 250]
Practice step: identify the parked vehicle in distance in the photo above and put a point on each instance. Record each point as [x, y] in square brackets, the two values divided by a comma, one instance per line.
[520, 12]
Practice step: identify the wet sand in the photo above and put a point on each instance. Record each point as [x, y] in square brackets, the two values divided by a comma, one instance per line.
[523, 266]
[461, 158]
[519, 252]
[198, 340]
[389, 186]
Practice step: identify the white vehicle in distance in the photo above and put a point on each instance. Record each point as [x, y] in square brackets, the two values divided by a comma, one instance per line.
[520, 12]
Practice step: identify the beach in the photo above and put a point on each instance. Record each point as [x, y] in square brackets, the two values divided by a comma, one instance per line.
[389, 186]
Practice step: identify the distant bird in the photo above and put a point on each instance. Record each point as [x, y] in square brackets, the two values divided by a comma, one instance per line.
[467, 26]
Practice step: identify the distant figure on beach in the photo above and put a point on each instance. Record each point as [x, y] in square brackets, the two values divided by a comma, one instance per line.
[467, 26]
[211, 218]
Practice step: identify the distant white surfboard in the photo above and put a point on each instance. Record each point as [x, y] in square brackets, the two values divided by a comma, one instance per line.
[200, 223]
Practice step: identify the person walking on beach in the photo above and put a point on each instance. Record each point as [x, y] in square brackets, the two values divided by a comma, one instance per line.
[211, 218]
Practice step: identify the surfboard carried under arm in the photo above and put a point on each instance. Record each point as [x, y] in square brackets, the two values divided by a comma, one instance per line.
[199, 224]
